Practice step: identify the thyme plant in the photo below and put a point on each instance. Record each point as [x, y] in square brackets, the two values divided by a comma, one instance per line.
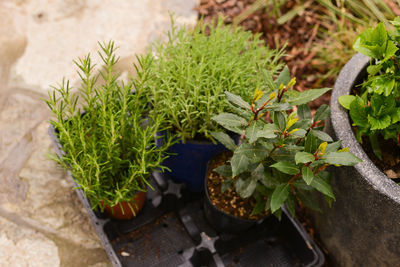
[376, 110]
[282, 159]
[109, 145]
[191, 71]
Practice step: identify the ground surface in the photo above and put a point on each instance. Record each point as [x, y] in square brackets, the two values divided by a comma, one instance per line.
[42, 223]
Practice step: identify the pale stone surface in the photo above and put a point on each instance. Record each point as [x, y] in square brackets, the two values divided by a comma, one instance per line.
[42, 222]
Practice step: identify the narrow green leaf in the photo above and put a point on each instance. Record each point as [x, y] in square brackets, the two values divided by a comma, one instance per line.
[258, 208]
[373, 138]
[224, 170]
[229, 119]
[322, 186]
[239, 163]
[224, 139]
[322, 113]
[255, 153]
[307, 174]
[252, 132]
[303, 157]
[308, 199]
[279, 196]
[307, 96]
[304, 112]
[311, 143]
[291, 205]
[341, 158]
[258, 173]
[246, 187]
[321, 135]
[237, 100]
[279, 120]
[283, 78]
[333, 147]
[286, 167]
[226, 185]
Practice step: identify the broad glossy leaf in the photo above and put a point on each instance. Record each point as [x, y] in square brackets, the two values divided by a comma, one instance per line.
[345, 100]
[382, 105]
[307, 96]
[286, 167]
[303, 157]
[396, 115]
[341, 158]
[379, 123]
[224, 139]
[279, 196]
[307, 174]
[237, 100]
[358, 112]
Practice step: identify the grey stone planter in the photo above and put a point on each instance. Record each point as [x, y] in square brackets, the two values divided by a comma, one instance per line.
[363, 226]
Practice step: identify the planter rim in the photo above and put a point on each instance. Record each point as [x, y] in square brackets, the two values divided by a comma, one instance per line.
[347, 79]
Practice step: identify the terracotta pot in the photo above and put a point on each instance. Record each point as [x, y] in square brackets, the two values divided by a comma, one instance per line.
[115, 212]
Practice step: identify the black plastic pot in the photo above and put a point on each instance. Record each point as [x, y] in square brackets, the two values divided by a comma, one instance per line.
[363, 226]
[222, 221]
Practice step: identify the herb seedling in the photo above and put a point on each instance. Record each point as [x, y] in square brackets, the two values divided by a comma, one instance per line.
[108, 142]
[284, 158]
[376, 110]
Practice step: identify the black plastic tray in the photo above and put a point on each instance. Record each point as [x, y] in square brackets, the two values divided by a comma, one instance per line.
[171, 230]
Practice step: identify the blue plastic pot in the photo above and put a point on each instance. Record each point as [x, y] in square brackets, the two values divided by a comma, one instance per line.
[189, 163]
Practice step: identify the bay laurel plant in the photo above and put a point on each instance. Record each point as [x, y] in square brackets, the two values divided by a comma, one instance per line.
[193, 68]
[108, 142]
[282, 155]
[375, 110]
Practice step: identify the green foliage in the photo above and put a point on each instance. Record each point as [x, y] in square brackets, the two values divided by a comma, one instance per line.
[375, 111]
[190, 72]
[108, 142]
[284, 158]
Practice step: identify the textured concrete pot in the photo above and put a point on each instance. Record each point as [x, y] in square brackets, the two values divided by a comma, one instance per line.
[363, 226]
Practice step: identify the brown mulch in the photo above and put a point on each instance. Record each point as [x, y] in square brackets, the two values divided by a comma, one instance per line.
[300, 33]
[228, 201]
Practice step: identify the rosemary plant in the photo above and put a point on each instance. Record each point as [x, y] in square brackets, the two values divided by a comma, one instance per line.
[109, 145]
[191, 71]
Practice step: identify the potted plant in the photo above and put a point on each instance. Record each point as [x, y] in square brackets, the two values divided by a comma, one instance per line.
[107, 135]
[365, 217]
[281, 158]
[189, 74]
